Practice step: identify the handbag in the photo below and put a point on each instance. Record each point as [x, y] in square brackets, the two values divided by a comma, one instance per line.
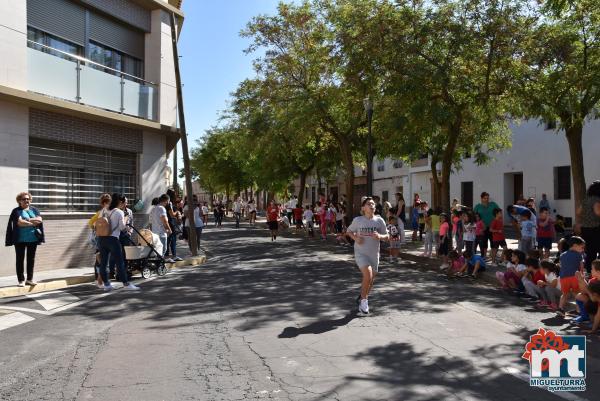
[38, 234]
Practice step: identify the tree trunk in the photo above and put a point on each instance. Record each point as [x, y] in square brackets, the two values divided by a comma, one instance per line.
[349, 178]
[574, 138]
[319, 187]
[303, 174]
[453, 134]
[437, 188]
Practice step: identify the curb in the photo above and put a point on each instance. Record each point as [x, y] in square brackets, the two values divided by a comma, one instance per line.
[52, 285]
[191, 261]
[46, 286]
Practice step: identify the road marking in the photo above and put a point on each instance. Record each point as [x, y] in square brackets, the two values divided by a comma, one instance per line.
[54, 299]
[14, 319]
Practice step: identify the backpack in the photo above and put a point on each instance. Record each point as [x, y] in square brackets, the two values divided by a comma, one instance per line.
[102, 226]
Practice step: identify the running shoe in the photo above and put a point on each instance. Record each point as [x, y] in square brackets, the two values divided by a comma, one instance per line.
[30, 282]
[21, 284]
[108, 287]
[364, 306]
[178, 259]
[132, 287]
[580, 319]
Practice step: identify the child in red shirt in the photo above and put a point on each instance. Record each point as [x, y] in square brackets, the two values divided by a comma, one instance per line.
[584, 300]
[298, 211]
[497, 230]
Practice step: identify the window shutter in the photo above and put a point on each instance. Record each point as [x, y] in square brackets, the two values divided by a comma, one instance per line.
[61, 18]
[117, 36]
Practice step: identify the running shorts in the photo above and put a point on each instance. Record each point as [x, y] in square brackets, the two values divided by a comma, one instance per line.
[363, 260]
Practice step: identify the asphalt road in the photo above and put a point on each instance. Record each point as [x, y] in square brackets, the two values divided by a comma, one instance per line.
[276, 321]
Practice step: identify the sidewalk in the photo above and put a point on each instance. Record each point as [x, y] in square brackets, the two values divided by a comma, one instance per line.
[50, 280]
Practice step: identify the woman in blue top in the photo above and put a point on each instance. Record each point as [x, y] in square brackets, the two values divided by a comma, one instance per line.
[25, 231]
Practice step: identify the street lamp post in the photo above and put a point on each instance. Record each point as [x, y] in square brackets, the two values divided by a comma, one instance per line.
[369, 110]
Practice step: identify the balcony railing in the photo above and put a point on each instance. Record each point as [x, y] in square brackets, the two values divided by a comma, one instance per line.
[74, 78]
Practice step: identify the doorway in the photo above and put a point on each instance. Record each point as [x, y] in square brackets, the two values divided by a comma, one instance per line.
[466, 193]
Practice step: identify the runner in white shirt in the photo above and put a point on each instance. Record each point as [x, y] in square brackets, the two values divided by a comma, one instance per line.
[251, 212]
[367, 231]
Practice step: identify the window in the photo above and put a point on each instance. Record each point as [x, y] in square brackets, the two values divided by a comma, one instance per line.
[562, 182]
[70, 177]
[380, 165]
[466, 193]
[385, 196]
[550, 125]
[43, 38]
[397, 164]
[116, 60]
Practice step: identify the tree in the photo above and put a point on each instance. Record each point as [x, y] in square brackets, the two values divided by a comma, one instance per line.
[454, 63]
[302, 60]
[562, 78]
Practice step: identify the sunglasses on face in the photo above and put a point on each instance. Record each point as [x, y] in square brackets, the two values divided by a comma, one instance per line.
[25, 200]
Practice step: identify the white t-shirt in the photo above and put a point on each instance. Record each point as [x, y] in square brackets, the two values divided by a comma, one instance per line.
[204, 209]
[469, 232]
[116, 217]
[156, 223]
[237, 207]
[365, 227]
[550, 277]
[520, 268]
[197, 218]
[251, 207]
[308, 215]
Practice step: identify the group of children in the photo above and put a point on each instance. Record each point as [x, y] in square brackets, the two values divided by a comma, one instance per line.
[551, 283]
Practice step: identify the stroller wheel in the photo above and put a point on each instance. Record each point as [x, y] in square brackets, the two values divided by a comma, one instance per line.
[162, 269]
[146, 272]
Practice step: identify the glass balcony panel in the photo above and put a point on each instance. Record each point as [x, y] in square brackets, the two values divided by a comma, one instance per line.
[139, 100]
[51, 75]
[100, 89]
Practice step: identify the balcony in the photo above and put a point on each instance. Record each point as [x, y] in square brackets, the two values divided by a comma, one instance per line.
[61, 75]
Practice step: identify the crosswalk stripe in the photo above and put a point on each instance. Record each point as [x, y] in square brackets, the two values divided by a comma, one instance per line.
[54, 299]
[14, 319]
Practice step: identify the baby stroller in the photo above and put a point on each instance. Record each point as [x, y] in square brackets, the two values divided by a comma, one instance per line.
[145, 258]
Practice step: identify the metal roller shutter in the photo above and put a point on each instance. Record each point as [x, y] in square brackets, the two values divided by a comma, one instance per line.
[61, 18]
[117, 36]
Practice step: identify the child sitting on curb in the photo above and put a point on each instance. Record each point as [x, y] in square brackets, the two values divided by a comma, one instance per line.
[530, 279]
[474, 264]
[516, 270]
[550, 285]
[456, 261]
[584, 302]
[594, 293]
[506, 259]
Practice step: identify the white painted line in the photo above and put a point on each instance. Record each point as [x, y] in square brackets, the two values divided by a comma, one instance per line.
[54, 299]
[14, 319]
[515, 372]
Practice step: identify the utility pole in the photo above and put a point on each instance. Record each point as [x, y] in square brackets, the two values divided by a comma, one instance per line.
[184, 144]
[368, 104]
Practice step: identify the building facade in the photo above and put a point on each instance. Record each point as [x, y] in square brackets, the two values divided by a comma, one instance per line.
[537, 163]
[88, 104]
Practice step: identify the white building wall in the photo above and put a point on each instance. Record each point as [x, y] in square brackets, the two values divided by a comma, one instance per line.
[13, 44]
[14, 172]
[534, 153]
[153, 162]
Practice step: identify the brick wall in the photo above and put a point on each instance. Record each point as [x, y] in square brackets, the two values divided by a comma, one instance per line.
[60, 127]
[127, 11]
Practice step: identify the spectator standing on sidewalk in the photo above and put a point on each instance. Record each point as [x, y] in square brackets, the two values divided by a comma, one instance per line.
[485, 209]
[400, 211]
[104, 203]
[544, 202]
[110, 245]
[25, 232]
[173, 215]
[589, 228]
[159, 222]
[205, 213]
